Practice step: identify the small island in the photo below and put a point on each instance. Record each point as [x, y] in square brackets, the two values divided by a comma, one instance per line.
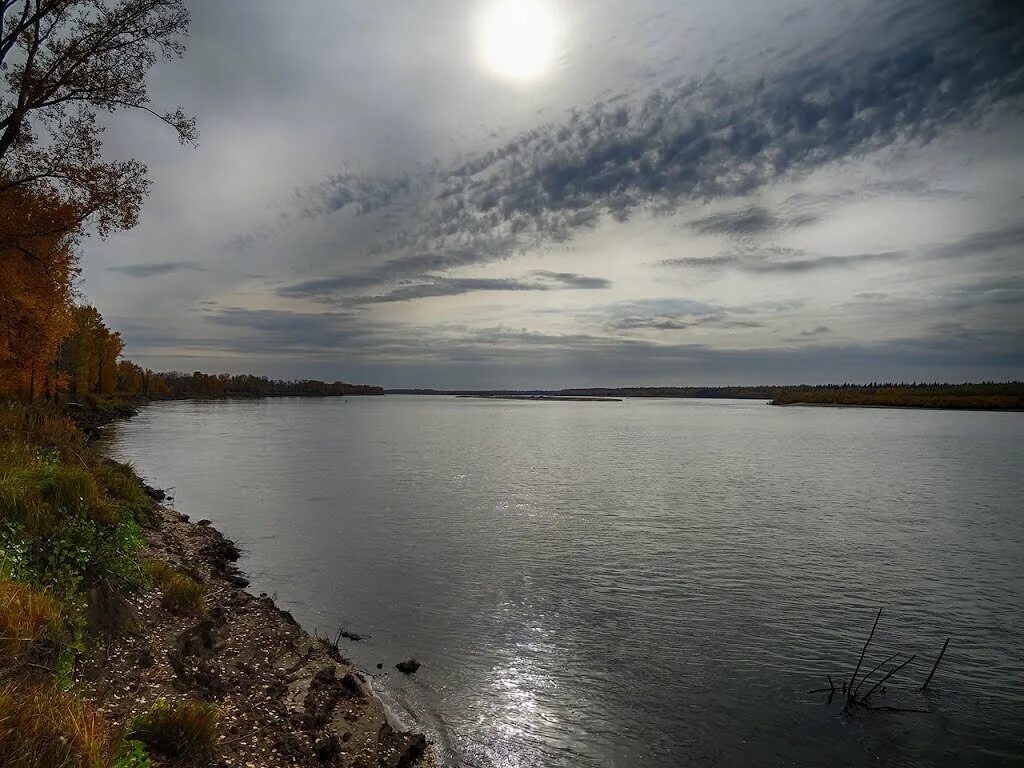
[986, 396]
[545, 398]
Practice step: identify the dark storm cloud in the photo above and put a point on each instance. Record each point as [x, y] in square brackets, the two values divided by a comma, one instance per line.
[699, 140]
[158, 268]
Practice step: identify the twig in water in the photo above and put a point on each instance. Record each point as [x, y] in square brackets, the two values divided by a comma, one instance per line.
[936, 664]
[865, 648]
[869, 674]
[892, 672]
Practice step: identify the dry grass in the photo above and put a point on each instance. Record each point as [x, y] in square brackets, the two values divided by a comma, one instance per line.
[41, 727]
[185, 731]
[31, 627]
[157, 572]
[41, 426]
[183, 594]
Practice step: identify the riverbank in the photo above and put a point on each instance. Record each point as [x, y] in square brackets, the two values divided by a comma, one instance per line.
[284, 698]
[121, 614]
[902, 407]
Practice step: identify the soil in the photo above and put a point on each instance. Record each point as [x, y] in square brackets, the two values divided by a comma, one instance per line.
[285, 698]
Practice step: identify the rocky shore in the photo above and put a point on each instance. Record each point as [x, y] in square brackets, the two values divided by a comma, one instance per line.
[284, 698]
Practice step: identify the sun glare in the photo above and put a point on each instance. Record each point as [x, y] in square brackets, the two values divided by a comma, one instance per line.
[517, 39]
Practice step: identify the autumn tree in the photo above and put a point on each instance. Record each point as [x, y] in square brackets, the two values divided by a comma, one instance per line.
[38, 269]
[65, 62]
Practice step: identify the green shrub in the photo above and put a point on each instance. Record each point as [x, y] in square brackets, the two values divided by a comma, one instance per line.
[185, 731]
[84, 553]
[133, 754]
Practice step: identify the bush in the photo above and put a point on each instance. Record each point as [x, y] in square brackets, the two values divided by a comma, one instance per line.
[31, 627]
[41, 727]
[133, 755]
[182, 593]
[185, 731]
[157, 572]
[83, 553]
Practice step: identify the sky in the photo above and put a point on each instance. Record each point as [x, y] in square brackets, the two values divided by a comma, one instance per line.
[554, 193]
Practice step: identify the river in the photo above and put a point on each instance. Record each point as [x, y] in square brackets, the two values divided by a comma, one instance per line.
[640, 584]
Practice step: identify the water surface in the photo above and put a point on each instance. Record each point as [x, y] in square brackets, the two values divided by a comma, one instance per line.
[645, 583]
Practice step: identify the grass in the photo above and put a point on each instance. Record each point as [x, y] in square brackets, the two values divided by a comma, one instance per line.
[185, 731]
[32, 631]
[157, 572]
[69, 521]
[183, 594]
[42, 727]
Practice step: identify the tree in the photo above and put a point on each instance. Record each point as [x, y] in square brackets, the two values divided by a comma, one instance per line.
[63, 63]
[66, 61]
[37, 275]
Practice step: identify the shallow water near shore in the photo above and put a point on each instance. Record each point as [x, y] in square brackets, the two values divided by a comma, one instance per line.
[645, 583]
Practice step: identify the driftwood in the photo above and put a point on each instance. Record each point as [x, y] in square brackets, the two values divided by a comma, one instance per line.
[850, 689]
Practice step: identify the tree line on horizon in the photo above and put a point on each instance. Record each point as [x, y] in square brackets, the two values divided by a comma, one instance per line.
[980, 395]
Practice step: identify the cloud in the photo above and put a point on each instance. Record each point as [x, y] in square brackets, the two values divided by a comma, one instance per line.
[157, 268]
[326, 288]
[573, 280]
[822, 262]
[667, 323]
[981, 242]
[820, 330]
[697, 140]
[749, 221]
[455, 286]
[793, 262]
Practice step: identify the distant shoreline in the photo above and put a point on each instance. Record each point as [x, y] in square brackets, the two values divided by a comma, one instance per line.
[544, 398]
[980, 396]
[903, 407]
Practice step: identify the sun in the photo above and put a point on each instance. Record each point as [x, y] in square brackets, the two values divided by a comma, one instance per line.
[517, 39]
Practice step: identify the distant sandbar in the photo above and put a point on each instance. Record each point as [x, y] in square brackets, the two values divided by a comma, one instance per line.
[574, 398]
